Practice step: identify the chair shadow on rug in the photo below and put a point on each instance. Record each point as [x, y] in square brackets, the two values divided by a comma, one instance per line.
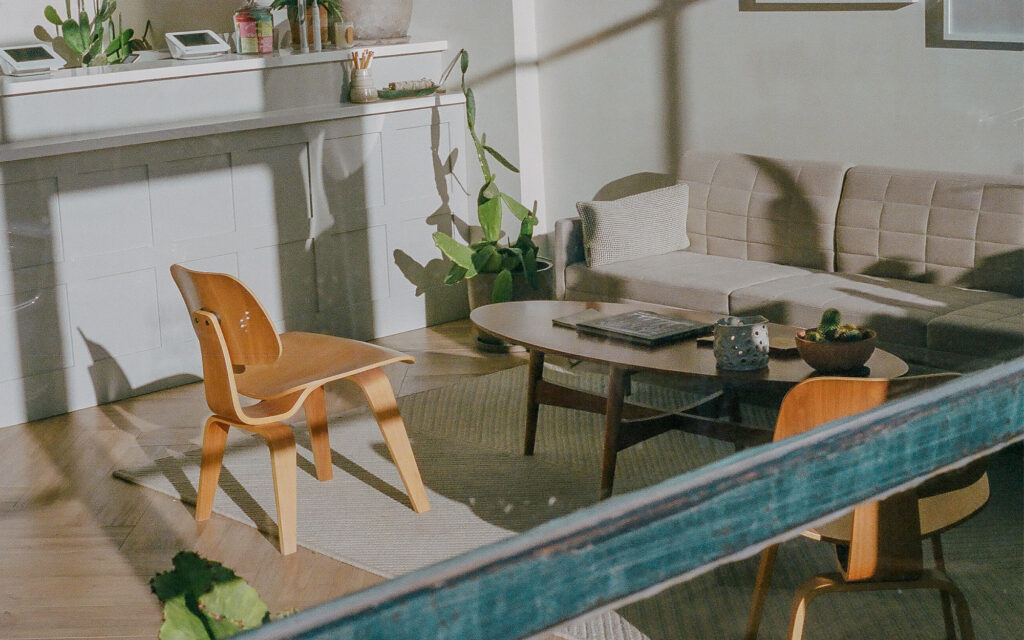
[244, 355]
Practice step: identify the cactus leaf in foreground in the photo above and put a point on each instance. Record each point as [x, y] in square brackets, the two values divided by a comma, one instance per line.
[180, 623]
[232, 607]
[204, 600]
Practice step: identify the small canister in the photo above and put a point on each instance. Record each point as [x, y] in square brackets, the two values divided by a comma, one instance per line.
[254, 29]
[362, 89]
[741, 344]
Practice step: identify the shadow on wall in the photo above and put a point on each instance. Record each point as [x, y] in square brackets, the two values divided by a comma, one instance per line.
[429, 277]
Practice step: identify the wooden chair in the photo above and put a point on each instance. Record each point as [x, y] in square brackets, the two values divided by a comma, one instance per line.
[243, 354]
[879, 544]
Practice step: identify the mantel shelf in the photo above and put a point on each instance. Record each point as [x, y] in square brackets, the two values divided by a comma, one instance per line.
[169, 68]
[30, 149]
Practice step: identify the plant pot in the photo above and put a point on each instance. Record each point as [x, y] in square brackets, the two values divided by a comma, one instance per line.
[835, 357]
[325, 27]
[479, 289]
[380, 21]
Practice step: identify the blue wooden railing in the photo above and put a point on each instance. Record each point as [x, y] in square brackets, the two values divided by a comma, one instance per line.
[632, 545]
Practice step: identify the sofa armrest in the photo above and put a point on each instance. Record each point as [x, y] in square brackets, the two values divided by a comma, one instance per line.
[567, 249]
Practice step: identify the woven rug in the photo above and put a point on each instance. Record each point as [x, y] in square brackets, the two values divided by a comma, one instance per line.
[467, 439]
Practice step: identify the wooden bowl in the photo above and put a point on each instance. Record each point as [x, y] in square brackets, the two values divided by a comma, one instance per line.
[835, 357]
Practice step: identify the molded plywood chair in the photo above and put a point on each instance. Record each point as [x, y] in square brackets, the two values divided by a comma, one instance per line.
[243, 354]
[879, 544]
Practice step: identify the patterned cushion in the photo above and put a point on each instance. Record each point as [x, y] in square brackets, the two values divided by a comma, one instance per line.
[646, 224]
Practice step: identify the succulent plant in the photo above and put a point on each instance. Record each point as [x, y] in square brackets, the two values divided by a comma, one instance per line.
[204, 600]
[830, 330]
[488, 255]
[82, 35]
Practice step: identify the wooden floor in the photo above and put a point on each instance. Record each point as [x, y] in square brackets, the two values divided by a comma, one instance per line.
[78, 547]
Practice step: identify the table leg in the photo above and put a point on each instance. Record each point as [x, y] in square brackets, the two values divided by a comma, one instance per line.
[536, 373]
[617, 378]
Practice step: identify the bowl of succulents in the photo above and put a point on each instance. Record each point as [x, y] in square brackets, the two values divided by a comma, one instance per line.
[834, 347]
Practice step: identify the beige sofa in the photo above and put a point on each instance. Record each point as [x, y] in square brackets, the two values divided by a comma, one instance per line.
[933, 261]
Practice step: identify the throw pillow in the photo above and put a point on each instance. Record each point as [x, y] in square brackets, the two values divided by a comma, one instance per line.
[645, 224]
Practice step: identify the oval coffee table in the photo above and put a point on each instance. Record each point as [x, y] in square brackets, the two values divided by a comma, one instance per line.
[529, 324]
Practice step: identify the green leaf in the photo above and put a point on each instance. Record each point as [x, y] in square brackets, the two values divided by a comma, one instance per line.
[464, 61]
[84, 24]
[517, 209]
[489, 214]
[180, 623]
[470, 108]
[487, 260]
[455, 274]
[459, 253]
[530, 267]
[52, 16]
[74, 37]
[488, 192]
[511, 259]
[232, 607]
[500, 158]
[502, 291]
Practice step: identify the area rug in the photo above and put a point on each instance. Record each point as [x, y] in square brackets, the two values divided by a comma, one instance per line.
[467, 439]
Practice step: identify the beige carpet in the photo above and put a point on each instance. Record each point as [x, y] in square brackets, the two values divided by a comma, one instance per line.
[467, 439]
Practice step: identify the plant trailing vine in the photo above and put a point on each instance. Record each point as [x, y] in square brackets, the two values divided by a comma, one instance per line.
[489, 255]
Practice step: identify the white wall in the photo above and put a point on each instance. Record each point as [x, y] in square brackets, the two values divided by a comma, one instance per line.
[626, 87]
[485, 30]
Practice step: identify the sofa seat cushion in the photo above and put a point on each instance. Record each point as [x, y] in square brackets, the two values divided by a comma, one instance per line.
[678, 279]
[991, 329]
[899, 310]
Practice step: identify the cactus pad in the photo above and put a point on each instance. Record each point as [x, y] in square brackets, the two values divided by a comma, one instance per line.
[204, 600]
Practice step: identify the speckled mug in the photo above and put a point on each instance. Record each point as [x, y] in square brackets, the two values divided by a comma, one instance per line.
[741, 344]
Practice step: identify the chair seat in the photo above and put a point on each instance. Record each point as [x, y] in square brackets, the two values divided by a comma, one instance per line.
[312, 359]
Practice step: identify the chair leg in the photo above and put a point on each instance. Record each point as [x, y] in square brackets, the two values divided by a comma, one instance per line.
[281, 441]
[807, 592]
[381, 398]
[947, 602]
[315, 408]
[215, 436]
[764, 579]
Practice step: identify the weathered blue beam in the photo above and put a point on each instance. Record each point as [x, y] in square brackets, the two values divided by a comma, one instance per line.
[642, 542]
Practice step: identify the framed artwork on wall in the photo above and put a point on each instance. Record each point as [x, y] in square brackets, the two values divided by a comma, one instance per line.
[983, 20]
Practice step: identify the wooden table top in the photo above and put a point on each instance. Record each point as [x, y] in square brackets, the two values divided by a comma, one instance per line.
[529, 324]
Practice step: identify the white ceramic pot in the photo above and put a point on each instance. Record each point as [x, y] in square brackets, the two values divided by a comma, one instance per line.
[379, 20]
[741, 344]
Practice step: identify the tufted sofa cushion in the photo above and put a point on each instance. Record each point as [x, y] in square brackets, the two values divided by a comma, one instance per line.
[992, 329]
[943, 228]
[899, 310]
[764, 209]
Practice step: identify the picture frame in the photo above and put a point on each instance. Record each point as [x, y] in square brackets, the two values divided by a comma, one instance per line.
[983, 21]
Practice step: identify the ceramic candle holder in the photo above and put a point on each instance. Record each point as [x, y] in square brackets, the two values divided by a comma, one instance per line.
[741, 344]
[362, 89]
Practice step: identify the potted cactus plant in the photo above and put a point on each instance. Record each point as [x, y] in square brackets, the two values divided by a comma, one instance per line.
[835, 347]
[91, 41]
[495, 271]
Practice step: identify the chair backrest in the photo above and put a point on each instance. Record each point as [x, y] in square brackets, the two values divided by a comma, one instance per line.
[248, 332]
[886, 538]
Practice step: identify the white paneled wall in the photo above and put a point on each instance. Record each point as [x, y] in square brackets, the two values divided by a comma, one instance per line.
[329, 223]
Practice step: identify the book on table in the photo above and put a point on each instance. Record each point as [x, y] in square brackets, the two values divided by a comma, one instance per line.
[640, 327]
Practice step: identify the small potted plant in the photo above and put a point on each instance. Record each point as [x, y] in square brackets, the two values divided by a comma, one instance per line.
[330, 12]
[834, 347]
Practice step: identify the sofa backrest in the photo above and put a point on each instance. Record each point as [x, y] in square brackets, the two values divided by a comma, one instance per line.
[947, 228]
[764, 209]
